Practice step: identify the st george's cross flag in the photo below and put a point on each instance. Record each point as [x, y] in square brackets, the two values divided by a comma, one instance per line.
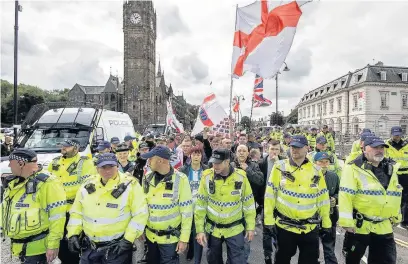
[263, 37]
[259, 99]
[210, 114]
[235, 104]
[171, 119]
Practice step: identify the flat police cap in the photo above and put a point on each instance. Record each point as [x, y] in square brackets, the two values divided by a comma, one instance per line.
[23, 154]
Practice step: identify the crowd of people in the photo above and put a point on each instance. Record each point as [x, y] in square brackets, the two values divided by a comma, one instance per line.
[182, 193]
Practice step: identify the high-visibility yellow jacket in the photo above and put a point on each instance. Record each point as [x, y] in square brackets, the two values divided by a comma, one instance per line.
[400, 156]
[298, 200]
[103, 217]
[72, 172]
[25, 215]
[334, 162]
[352, 156]
[312, 140]
[169, 207]
[356, 146]
[330, 140]
[285, 148]
[232, 200]
[360, 190]
[276, 135]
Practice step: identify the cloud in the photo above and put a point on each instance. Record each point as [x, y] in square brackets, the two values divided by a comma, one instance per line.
[170, 22]
[191, 67]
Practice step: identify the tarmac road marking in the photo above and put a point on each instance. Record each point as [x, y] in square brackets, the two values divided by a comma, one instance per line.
[401, 242]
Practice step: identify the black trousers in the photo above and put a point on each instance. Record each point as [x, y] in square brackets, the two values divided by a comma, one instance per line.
[162, 253]
[288, 242]
[267, 243]
[403, 180]
[329, 244]
[235, 249]
[39, 259]
[66, 256]
[381, 248]
[91, 256]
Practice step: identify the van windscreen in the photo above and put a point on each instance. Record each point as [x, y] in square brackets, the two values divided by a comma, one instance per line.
[51, 138]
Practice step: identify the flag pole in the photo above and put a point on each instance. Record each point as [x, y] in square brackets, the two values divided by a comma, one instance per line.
[232, 81]
[252, 108]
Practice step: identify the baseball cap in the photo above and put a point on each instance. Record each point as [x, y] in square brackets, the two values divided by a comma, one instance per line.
[321, 140]
[106, 159]
[396, 131]
[159, 151]
[122, 147]
[366, 130]
[321, 155]
[313, 128]
[149, 136]
[325, 126]
[70, 143]
[374, 142]
[114, 140]
[143, 145]
[299, 141]
[199, 137]
[128, 137]
[103, 145]
[287, 135]
[365, 135]
[23, 154]
[219, 155]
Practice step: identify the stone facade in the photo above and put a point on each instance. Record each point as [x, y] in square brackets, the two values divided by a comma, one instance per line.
[109, 96]
[374, 97]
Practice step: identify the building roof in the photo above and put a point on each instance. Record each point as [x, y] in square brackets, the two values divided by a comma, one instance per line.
[113, 85]
[92, 89]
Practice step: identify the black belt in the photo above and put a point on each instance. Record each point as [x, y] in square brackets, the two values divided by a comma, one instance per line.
[168, 232]
[70, 201]
[360, 217]
[218, 225]
[301, 222]
[30, 238]
[403, 169]
[99, 245]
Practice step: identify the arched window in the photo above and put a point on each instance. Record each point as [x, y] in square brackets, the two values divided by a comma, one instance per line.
[113, 97]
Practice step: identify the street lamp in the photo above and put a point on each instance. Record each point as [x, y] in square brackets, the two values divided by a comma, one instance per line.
[17, 8]
[286, 69]
[239, 97]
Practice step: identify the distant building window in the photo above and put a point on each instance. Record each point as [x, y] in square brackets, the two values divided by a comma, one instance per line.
[355, 101]
[324, 108]
[331, 105]
[313, 110]
[308, 111]
[328, 89]
[339, 105]
[319, 109]
[404, 77]
[384, 100]
[383, 75]
[335, 86]
[404, 98]
[300, 113]
[304, 112]
[358, 77]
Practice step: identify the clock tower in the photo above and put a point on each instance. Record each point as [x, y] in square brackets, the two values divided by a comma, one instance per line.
[139, 28]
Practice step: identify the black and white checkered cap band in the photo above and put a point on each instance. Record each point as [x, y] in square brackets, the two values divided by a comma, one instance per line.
[72, 143]
[19, 158]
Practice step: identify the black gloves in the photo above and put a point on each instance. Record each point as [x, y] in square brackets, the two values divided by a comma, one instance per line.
[73, 244]
[122, 247]
[270, 229]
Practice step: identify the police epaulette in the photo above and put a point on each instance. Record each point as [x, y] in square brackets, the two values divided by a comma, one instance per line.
[42, 177]
[56, 158]
[207, 172]
[240, 172]
[84, 157]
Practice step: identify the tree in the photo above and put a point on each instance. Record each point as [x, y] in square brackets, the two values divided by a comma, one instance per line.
[245, 122]
[276, 119]
[292, 117]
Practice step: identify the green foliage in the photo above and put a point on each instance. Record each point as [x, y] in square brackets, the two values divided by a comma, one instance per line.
[28, 96]
[293, 117]
[245, 122]
[276, 119]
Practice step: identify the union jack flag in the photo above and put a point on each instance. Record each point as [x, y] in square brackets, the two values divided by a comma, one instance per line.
[259, 99]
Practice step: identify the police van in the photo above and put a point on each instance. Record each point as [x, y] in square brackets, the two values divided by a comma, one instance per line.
[85, 124]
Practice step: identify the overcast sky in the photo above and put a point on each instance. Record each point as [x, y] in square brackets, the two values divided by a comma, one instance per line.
[66, 42]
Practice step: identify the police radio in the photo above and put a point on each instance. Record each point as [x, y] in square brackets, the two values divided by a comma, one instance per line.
[211, 186]
[90, 188]
[121, 189]
[169, 186]
[238, 185]
[31, 186]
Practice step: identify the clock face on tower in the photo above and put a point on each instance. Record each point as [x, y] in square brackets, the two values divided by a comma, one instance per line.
[135, 18]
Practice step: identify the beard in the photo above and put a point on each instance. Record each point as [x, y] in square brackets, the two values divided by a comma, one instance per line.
[378, 158]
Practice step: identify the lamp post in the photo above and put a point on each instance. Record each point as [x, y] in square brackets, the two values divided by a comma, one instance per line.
[276, 78]
[239, 98]
[17, 8]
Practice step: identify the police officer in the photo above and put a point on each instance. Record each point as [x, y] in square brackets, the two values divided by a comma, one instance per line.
[356, 147]
[111, 210]
[354, 154]
[115, 141]
[225, 204]
[311, 138]
[71, 169]
[129, 141]
[103, 147]
[296, 203]
[322, 159]
[125, 165]
[322, 145]
[33, 210]
[369, 205]
[329, 137]
[398, 151]
[170, 208]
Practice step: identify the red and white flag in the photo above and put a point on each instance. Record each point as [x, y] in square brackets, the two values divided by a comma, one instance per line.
[171, 119]
[210, 114]
[263, 37]
[235, 104]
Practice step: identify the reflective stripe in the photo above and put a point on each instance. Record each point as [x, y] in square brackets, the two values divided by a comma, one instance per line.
[376, 218]
[207, 183]
[268, 195]
[187, 214]
[56, 217]
[176, 188]
[222, 204]
[346, 215]
[163, 218]
[199, 208]
[202, 197]
[106, 220]
[136, 226]
[83, 192]
[227, 215]
[105, 238]
[247, 198]
[141, 211]
[299, 207]
[124, 196]
[394, 193]
[74, 222]
[270, 184]
[74, 212]
[364, 181]
[80, 164]
[323, 203]
[249, 207]
[347, 190]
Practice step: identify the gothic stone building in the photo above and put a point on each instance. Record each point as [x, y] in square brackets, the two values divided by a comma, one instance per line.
[375, 97]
